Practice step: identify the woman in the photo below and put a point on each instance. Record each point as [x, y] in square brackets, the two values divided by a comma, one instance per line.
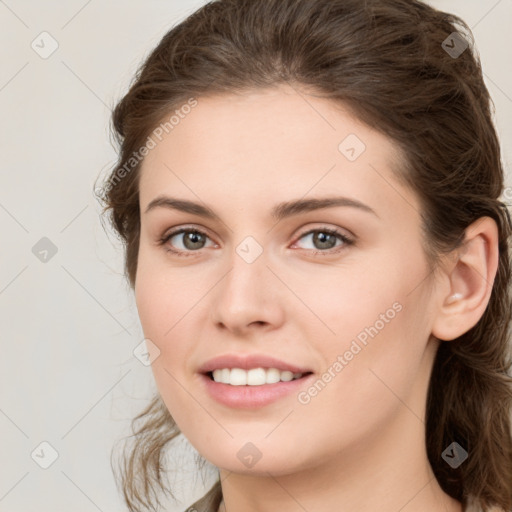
[308, 192]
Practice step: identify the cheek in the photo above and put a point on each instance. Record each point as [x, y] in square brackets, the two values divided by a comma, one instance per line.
[160, 310]
[341, 304]
[365, 385]
[381, 322]
[163, 317]
[159, 295]
[152, 304]
[166, 304]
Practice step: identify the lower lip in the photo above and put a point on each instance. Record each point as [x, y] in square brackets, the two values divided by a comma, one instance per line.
[252, 397]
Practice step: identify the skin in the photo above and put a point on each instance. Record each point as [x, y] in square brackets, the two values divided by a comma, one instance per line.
[359, 443]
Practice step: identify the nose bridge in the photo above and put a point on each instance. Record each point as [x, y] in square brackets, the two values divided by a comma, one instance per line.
[246, 294]
[243, 284]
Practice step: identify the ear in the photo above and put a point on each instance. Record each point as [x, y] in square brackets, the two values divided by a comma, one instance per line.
[468, 281]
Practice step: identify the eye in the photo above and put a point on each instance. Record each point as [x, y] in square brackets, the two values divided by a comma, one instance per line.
[324, 240]
[193, 241]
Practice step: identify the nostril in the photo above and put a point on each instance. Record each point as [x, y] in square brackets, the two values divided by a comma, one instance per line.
[259, 322]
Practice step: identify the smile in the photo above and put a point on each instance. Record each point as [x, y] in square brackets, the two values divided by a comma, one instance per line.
[252, 377]
[239, 395]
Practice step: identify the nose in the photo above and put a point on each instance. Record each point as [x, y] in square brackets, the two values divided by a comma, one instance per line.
[249, 297]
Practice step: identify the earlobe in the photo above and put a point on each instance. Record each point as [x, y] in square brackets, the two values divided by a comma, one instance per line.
[470, 281]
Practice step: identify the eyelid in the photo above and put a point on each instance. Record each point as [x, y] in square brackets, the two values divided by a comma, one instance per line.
[347, 240]
[172, 232]
[345, 233]
[185, 227]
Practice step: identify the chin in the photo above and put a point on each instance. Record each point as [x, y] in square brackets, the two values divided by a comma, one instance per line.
[248, 459]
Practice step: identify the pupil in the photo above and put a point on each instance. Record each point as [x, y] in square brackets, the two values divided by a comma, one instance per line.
[323, 238]
[192, 238]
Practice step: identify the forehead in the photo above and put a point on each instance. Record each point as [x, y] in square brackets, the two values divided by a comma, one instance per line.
[270, 143]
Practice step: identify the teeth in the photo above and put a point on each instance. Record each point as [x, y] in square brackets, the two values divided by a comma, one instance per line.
[253, 377]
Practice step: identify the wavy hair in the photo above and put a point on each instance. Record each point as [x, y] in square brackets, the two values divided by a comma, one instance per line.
[393, 64]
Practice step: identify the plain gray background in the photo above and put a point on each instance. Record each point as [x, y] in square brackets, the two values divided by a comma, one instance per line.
[69, 323]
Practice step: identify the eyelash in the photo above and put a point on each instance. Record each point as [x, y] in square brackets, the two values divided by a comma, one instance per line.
[346, 241]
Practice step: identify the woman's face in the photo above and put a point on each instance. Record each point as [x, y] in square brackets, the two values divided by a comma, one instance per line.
[264, 278]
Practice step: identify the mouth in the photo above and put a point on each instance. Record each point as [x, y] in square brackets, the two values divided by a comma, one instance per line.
[251, 381]
[253, 377]
[253, 389]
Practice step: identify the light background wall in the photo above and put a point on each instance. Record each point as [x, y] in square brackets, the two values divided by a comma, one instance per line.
[69, 325]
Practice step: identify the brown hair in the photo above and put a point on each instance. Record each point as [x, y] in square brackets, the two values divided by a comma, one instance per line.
[386, 60]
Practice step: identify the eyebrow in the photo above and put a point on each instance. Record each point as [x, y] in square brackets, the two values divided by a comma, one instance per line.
[279, 211]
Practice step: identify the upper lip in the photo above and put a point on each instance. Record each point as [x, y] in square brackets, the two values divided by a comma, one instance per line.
[249, 361]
